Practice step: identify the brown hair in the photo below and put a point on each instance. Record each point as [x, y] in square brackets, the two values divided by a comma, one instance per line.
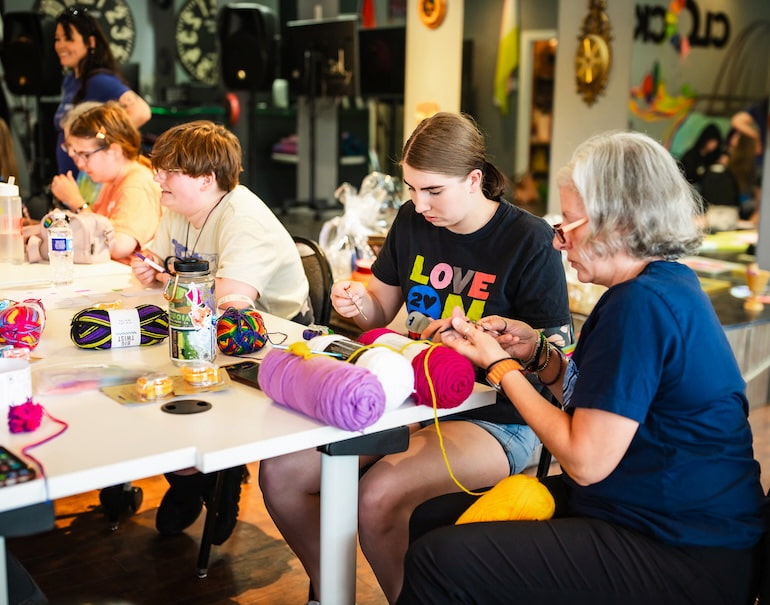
[200, 148]
[452, 144]
[109, 123]
[99, 58]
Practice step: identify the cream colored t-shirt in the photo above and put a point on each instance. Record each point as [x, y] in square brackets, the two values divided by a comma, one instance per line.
[242, 240]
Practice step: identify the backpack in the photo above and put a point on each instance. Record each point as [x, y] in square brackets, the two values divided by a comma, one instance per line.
[91, 237]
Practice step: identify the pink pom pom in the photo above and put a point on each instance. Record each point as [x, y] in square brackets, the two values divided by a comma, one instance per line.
[25, 417]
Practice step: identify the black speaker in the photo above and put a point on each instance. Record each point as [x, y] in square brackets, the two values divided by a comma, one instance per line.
[247, 46]
[29, 59]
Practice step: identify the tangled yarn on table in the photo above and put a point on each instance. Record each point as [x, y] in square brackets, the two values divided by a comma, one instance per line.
[336, 393]
[22, 323]
[90, 328]
[240, 331]
[452, 374]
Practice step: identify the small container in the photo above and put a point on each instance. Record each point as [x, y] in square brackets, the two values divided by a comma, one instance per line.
[154, 386]
[191, 313]
[203, 374]
[11, 218]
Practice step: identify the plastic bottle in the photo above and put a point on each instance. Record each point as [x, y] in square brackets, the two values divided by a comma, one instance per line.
[191, 313]
[11, 240]
[61, 255]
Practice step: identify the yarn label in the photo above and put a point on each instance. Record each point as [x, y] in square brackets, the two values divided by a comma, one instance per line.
[125, 328]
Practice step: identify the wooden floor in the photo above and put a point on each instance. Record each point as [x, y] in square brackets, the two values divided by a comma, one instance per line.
[81, 562]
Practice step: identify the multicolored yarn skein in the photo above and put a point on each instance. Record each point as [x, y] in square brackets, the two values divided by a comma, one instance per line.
[240, 331]
[451, 373]
[338, 394]
[91, 328]
[22, 323]
[393, 370]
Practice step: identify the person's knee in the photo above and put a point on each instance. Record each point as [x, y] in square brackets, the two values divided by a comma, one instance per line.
[380, 500]
[292, 473]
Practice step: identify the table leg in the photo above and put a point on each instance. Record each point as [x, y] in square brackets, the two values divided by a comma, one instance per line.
[339, 529]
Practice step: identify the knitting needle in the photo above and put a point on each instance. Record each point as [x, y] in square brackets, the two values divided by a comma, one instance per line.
[339, 355]
[152, 263]
[353, 300]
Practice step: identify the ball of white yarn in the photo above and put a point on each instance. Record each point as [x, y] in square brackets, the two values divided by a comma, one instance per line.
[393, 370]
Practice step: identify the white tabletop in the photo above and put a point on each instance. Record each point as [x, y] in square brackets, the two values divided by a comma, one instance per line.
[108, 443]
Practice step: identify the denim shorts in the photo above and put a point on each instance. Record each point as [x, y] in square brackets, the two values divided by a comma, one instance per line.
[519, 442]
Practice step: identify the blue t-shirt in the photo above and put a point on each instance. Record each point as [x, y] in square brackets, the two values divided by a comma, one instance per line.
[100, 87]
[653, 350]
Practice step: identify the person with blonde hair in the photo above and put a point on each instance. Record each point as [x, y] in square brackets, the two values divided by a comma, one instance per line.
[105, 145]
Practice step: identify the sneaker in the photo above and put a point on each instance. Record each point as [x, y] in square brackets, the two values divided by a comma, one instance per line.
[227, 512]
[181, 504]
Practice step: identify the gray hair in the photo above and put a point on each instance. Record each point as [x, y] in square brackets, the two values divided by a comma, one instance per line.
[635, 196]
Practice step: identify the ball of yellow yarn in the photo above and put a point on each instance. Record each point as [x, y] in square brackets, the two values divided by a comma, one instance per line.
[515, 498]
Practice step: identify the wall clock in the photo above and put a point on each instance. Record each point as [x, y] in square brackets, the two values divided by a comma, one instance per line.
[196, 40]
[114, 16]
[432, 12]
[593, 57]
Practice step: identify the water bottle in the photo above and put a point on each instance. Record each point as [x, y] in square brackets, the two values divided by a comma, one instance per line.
[191, 313]
[11, 240]
[61, 255]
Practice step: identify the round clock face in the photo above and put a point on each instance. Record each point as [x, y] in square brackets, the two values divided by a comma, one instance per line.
[592, 65]
[432, 12]
[196, 40]
[114, 16]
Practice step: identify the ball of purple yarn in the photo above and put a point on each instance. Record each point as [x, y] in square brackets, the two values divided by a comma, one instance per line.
[90, 328]
[337, 393]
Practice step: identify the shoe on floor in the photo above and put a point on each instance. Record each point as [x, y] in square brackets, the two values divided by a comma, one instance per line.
[227, 512]
[181, 504]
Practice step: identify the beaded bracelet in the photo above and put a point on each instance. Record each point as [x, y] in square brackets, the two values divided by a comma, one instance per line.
[558, 374]
[532, 361]
[544, 365]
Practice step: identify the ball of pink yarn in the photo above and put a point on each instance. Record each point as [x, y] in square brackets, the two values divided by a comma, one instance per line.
[452, 376]
[451, 373]
[371, 336]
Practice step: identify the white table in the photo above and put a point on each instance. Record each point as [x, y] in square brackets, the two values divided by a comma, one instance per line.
[108, 443]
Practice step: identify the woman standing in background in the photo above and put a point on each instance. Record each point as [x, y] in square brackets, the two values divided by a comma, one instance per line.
[92, 75]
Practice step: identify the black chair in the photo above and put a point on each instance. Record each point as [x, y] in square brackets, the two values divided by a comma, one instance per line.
[319, 276]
